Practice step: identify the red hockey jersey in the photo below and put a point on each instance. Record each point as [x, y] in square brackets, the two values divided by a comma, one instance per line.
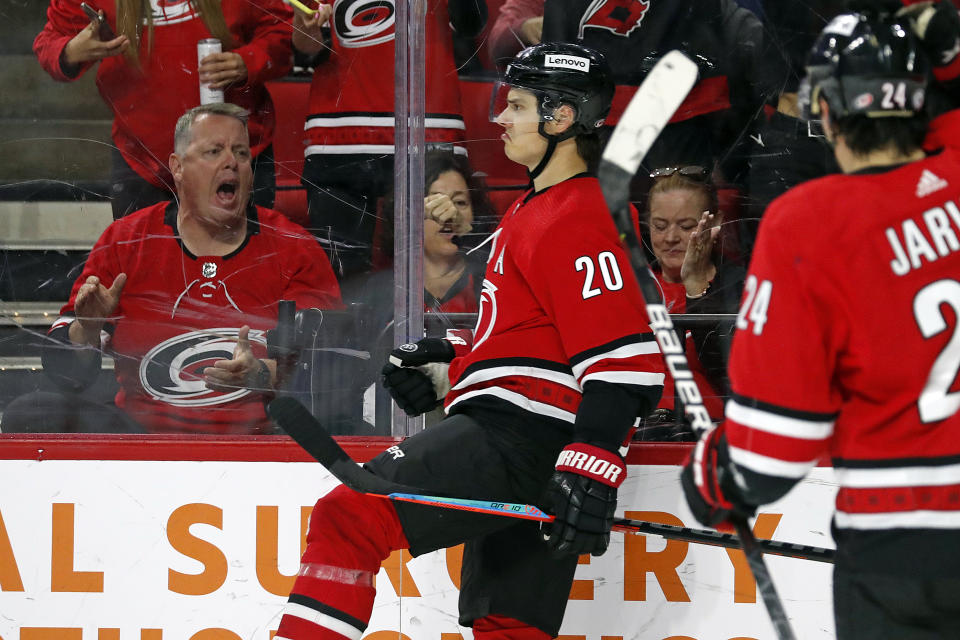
[179, 313]
[559, 306]
[848, 346]
[147, 102]
[351, 98]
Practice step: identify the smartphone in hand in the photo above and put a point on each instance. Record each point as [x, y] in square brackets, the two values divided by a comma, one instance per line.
[104, 31]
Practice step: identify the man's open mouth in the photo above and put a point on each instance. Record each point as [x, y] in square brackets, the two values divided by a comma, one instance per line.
[227, 192]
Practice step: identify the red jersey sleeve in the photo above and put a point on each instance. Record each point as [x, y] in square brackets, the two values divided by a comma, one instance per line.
[65, 19]
[310, 278]
[780, 418]
[269, 52]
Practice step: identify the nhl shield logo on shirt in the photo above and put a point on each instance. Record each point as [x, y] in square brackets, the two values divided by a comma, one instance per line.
[209, 270]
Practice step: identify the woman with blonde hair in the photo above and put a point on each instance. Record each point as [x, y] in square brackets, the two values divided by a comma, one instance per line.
[686, 239]
[148, 74]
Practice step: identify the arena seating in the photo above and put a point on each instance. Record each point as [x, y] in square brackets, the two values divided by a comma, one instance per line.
[505, 178]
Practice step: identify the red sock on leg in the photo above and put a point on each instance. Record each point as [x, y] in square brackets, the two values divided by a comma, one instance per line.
[494, 627]
[350, 534]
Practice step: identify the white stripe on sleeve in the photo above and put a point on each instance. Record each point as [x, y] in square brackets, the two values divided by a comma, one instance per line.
[768, 466]
[621, 353]
[778, 424]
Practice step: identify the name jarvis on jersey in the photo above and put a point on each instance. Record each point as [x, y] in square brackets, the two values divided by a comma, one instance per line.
[911, 245]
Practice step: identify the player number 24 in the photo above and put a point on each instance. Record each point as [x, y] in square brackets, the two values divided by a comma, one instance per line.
[609, 273]
[756, 302]
[936, 402]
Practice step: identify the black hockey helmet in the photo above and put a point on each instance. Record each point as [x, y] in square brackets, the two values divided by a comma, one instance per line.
[866, 63]
[562, 73]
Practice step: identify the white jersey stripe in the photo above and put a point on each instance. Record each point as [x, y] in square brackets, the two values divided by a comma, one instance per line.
[519, 400]
[344, 149]
[769, 466]
[626, 351]
[375, 121]
[902, 519]
[639, 378]
[919, 476]
[492, 373]
[322, 619]
[778, 424]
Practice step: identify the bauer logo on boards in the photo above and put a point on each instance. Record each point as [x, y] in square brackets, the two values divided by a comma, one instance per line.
[567, 62]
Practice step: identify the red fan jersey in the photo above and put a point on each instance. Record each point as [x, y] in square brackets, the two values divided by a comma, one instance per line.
[848, 345]
[147, 101]
[351, 98]
[179, 313]
[559, 307]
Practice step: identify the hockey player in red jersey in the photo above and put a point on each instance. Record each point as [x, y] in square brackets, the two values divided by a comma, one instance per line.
[560, 366]
[852, 303]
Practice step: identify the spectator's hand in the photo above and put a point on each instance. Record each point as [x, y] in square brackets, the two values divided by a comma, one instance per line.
[531, 31]
[307, 28]
[697, 266]
[220, 70]
[312, 22]
[241, 372]
[440, 208]
[93, 304]
[582, 495]
[87, 46]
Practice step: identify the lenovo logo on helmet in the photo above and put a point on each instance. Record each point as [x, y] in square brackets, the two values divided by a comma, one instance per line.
[566, 62]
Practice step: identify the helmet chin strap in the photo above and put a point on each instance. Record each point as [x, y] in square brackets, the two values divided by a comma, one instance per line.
[552, 141]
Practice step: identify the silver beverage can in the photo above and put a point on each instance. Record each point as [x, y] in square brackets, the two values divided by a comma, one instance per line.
[204, 48]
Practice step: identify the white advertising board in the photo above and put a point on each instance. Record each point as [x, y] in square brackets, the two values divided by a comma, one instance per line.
[154, 550]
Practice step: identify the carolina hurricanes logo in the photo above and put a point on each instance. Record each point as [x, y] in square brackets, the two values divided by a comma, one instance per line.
[171, 11]
[172, 371]
[364, 23]
[487, 313]
[619, 16]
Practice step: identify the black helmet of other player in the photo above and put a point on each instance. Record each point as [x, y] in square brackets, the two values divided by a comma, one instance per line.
[865, 64]
[563, 73]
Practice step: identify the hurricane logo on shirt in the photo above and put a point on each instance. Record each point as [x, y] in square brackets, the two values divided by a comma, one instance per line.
[621, 17]
[171, 11]
[364, 23]
[172, 372]
[487, 313]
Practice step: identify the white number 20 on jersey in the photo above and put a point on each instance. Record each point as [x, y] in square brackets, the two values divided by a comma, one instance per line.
[756, 302]
[610, 276]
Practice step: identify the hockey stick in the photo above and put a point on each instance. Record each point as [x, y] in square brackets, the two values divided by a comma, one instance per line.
[299, 424]
[652, 106]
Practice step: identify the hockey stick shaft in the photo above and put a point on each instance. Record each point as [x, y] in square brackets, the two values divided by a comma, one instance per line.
[685, 534]
[649, 110]
[296, 421]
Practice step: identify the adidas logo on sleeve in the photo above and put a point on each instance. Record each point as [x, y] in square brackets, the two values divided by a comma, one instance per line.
[929, 182]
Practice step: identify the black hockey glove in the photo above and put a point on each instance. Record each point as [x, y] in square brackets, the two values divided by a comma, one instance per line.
[413, 384]
[708, 484]
[582, 495]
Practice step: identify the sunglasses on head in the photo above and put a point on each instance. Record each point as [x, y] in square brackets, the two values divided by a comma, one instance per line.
[693, 172]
